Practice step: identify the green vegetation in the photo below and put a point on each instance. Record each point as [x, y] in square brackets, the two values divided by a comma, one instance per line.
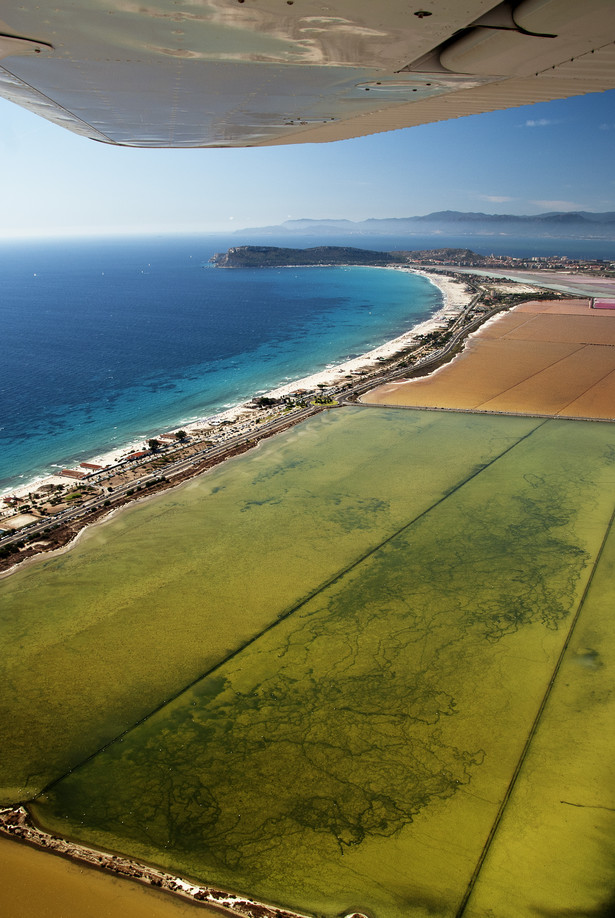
[268, 256]
[103, 620]
[352, 731]
[343, 659]
[560, 815]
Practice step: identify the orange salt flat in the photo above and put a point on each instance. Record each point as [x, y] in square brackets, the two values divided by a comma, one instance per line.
[556, 387]
[544, 357]
[503, 325]
[555, 307]
[595, 328]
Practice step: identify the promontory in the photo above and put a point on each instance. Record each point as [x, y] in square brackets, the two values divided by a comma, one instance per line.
[268, 256]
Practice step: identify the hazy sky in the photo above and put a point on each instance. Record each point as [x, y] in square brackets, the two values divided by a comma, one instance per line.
[553, 156]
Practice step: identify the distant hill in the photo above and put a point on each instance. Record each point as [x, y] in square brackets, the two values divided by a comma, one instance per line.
[569, 224]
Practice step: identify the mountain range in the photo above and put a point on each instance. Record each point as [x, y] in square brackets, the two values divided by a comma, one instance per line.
[571, 224]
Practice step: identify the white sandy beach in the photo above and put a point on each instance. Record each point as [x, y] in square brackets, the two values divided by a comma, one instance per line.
[455, 298]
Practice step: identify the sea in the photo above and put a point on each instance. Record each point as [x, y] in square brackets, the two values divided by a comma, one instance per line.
[106, 342]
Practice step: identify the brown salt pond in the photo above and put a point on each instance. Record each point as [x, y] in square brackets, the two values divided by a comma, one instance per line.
[553, 358]
[35, 883]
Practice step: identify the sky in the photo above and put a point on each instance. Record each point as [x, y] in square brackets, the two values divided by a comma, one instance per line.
[551, 156]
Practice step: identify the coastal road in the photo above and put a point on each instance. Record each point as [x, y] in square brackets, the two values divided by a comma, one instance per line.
[220, 452]
[428, 361]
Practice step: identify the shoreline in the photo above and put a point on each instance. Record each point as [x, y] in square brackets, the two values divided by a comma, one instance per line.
[17, 824]
[79, 528]
[454, 299]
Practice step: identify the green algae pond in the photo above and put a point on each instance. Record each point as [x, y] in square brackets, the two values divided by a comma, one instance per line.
[365, 667]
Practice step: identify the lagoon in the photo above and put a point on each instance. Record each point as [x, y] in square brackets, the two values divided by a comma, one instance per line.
[310, 679]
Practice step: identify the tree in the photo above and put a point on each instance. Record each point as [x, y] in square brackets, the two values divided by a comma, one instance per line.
[181, 435]
[153, 444]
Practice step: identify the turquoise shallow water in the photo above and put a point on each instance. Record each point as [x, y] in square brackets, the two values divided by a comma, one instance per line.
[108, 341]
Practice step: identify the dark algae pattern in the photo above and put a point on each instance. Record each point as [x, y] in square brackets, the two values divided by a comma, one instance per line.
[408, 614]
[100, 637]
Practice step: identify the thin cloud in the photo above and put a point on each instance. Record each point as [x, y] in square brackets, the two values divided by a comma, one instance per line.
[559, 205]
[538, 122]
[605, 126]
[495, 198]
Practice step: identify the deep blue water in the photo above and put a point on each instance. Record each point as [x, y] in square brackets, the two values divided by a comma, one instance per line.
[107, 341]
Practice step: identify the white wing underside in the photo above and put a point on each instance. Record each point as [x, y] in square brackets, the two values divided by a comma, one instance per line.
[219, 73]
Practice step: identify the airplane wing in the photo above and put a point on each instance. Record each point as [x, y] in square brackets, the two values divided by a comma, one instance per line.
[220, 73]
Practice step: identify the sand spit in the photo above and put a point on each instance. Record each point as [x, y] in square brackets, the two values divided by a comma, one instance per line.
[208, 442]
[455, 298]
[15, 823]
[211, 441]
